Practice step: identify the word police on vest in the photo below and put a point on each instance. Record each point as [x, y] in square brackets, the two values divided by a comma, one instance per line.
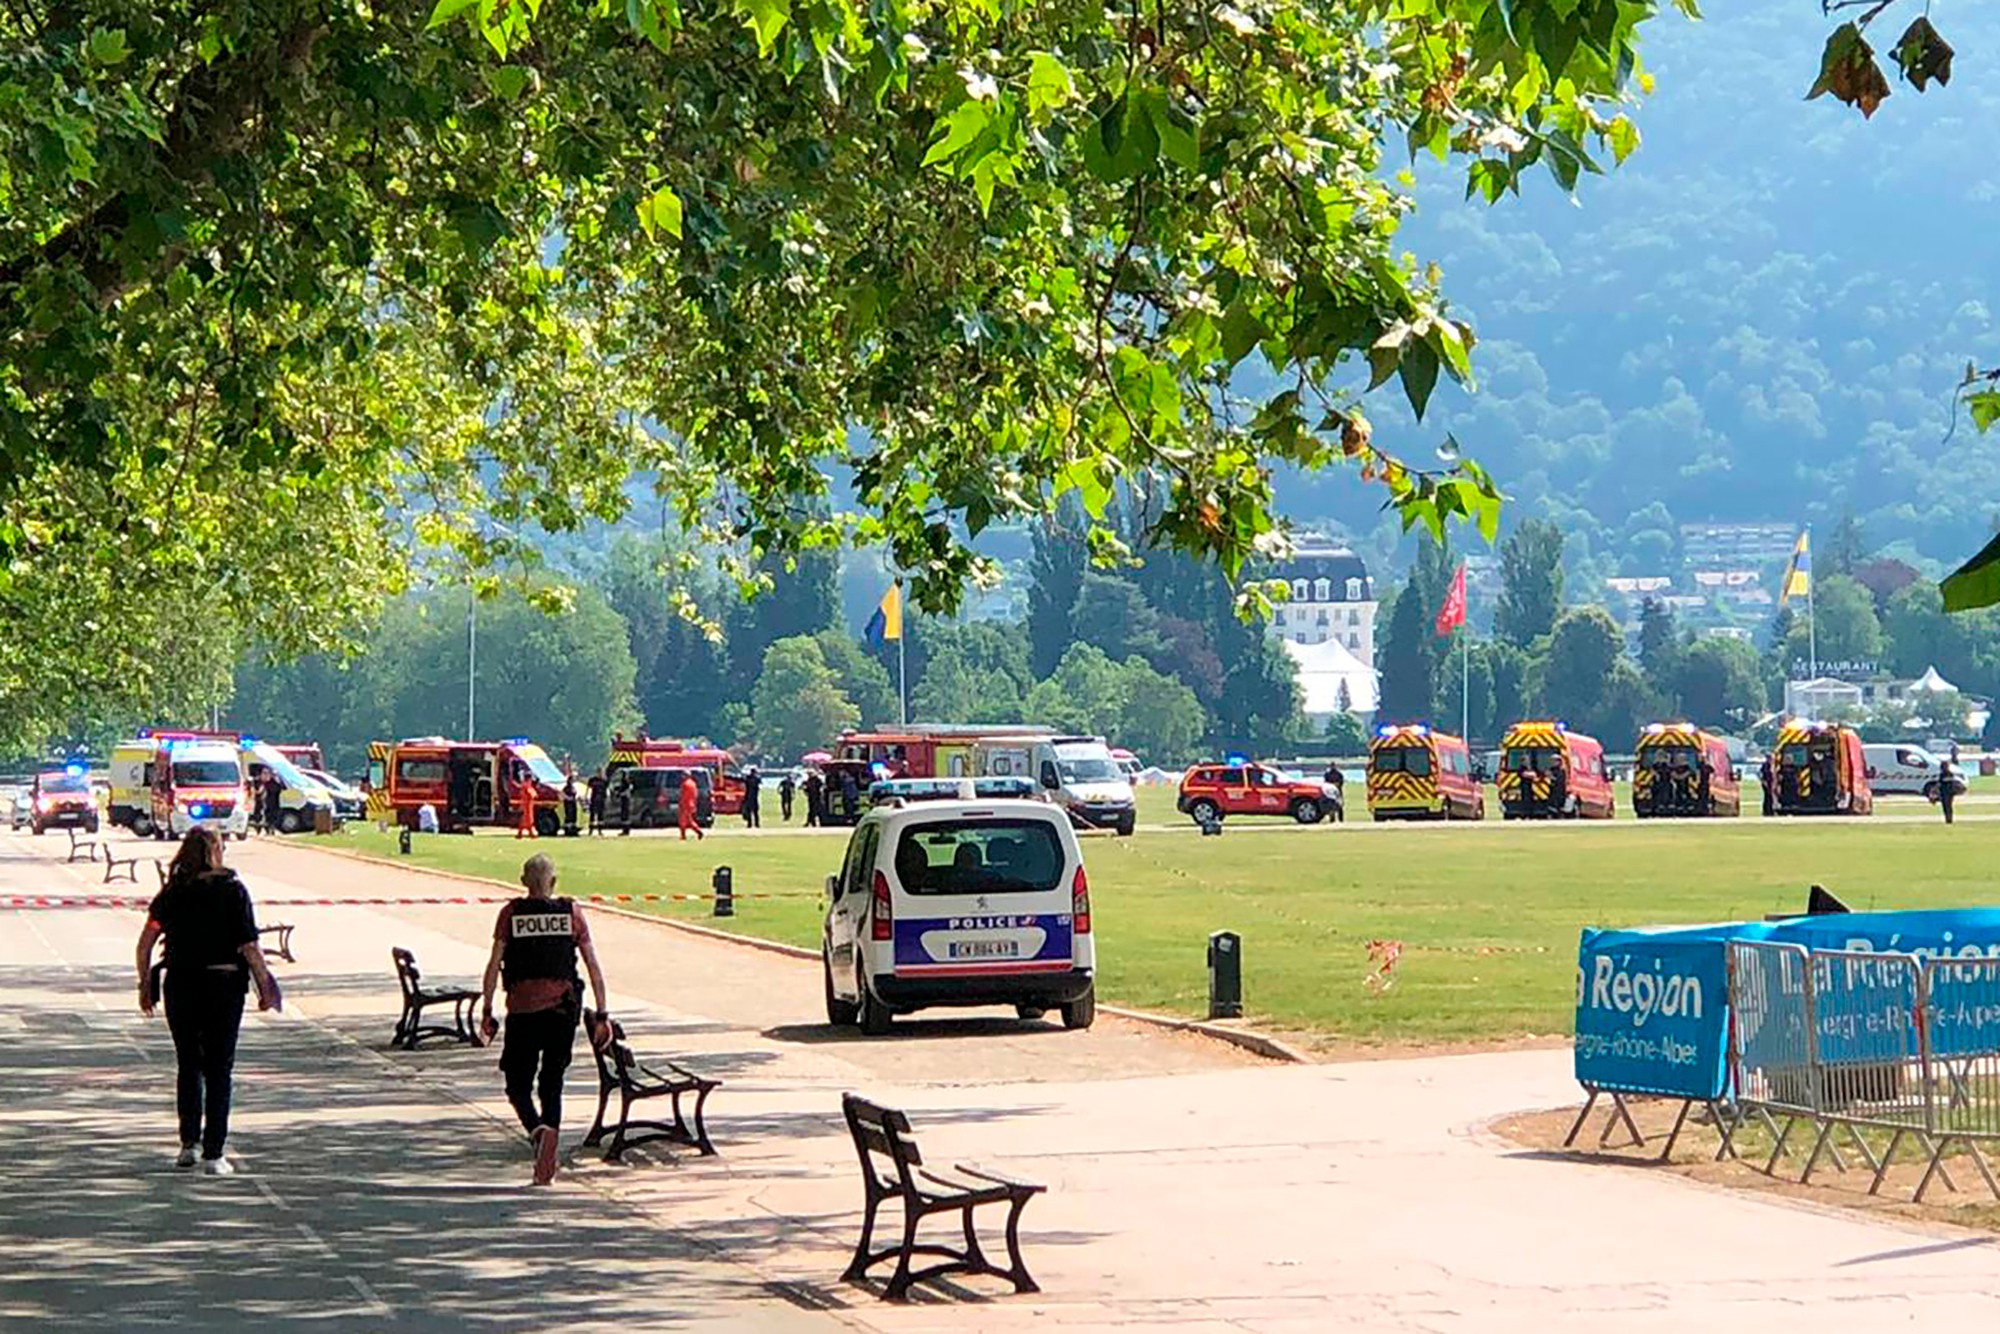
[1641, 995]
[528, 925]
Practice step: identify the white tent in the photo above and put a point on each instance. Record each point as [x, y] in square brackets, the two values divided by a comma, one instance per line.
[1323, 669]
[1932, 684]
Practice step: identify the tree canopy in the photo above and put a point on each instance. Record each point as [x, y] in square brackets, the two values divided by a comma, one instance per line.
[407, 279]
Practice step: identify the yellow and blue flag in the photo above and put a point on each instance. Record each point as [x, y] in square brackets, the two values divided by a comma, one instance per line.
[887, 622]
[1798, 571]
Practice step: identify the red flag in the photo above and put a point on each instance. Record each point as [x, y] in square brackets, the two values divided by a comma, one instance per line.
[1452, 614]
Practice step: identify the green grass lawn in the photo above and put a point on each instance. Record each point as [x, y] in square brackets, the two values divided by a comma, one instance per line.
[1488, 915]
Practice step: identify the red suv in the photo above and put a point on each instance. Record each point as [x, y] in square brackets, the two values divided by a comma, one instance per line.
[1211, 791]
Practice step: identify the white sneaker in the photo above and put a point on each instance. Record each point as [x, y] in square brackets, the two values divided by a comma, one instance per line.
[187, 1156]
[218, 1167]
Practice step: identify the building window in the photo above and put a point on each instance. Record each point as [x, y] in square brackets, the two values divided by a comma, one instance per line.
[1353, 616]
[1300, 590]
[1323, 616]
[1354, 641]
[1323, 589]
[1354, 590]
[1279, 617]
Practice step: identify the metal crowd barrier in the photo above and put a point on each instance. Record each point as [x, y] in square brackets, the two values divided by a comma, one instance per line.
[1842, 1041]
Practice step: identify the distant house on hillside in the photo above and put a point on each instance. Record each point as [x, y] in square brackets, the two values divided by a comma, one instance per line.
[1737, 546]
[1332, 601]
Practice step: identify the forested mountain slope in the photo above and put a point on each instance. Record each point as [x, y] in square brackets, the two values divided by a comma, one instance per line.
[1761, 315]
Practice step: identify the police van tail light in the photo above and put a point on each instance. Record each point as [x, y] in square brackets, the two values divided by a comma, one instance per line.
[1079, 903]
[880, 927]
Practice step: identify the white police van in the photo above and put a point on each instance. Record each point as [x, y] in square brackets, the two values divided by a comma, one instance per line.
[957, 903]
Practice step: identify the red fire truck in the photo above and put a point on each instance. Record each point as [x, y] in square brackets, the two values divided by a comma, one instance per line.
[468, 783]
[929, 750]
[645, 752]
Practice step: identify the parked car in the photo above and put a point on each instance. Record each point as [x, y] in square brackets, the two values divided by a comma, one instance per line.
[656, 796]
[1210, 792]
[24, 808]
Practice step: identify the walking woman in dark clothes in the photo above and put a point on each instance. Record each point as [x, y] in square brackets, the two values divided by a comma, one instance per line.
[212, 956]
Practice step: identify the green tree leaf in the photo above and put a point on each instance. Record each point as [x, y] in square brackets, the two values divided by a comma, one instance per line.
[967, 121]
[447, 10]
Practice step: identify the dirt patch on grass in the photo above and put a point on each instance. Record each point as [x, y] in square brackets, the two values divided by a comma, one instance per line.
[1971, 1205]
[1327, 1047]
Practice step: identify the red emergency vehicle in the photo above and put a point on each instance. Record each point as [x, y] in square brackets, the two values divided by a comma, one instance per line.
[928, 750]
[725, 788]
[469, 783]
[307, 756]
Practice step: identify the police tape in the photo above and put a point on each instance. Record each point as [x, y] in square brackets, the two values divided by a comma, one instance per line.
[402, 901]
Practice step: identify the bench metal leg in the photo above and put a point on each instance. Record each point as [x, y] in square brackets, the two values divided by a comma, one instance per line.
[899, 1282]
[596, 1134]
[857, 1268]
[1018, 1268]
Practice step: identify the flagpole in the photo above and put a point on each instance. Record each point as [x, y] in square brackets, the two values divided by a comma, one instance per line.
[1812, 616]
[902, 667]
[1465, 683]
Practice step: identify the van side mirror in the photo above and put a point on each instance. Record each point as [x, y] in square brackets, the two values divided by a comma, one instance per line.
[833, 887]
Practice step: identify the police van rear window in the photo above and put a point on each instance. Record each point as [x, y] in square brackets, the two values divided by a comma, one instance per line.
[987, 857]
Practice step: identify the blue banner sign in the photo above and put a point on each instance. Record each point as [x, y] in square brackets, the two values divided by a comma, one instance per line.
[1652, 1010]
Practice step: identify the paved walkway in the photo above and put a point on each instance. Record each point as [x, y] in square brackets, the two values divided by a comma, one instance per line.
[1189, 1188]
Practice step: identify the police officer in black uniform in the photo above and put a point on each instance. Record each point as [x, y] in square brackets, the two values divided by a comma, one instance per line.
[536, 944]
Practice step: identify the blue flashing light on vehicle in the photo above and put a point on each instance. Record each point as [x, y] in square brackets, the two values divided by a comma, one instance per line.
[74, 770]
[198, 811]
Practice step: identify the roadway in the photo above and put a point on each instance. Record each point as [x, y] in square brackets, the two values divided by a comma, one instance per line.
[1189, 1184]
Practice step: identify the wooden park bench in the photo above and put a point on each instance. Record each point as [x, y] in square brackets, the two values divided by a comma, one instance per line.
[411, 1029]
[115, 866]
[620, 1072]
[82, 845]
[880, 1132]
[283, 950]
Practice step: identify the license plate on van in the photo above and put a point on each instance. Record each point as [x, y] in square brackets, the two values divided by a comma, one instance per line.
[985, 949]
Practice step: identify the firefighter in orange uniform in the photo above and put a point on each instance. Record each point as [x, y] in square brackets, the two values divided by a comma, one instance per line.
[690, 809]
[524, 807]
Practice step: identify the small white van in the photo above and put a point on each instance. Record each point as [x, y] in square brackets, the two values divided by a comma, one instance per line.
[1078, 773]
[959, 903]
[1901, 768]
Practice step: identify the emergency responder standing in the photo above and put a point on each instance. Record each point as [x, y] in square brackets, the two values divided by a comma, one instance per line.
[1947, 788]
[1558, 789]
[690, 809]
[753, 798]
[1765, 775]
[1337, 780]
[212, 955]
[536, 943]
[625, 810]
[274, 803]
[524, 807]
[815, 799]
[785, 789]
[597, 786]
[569, 805]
